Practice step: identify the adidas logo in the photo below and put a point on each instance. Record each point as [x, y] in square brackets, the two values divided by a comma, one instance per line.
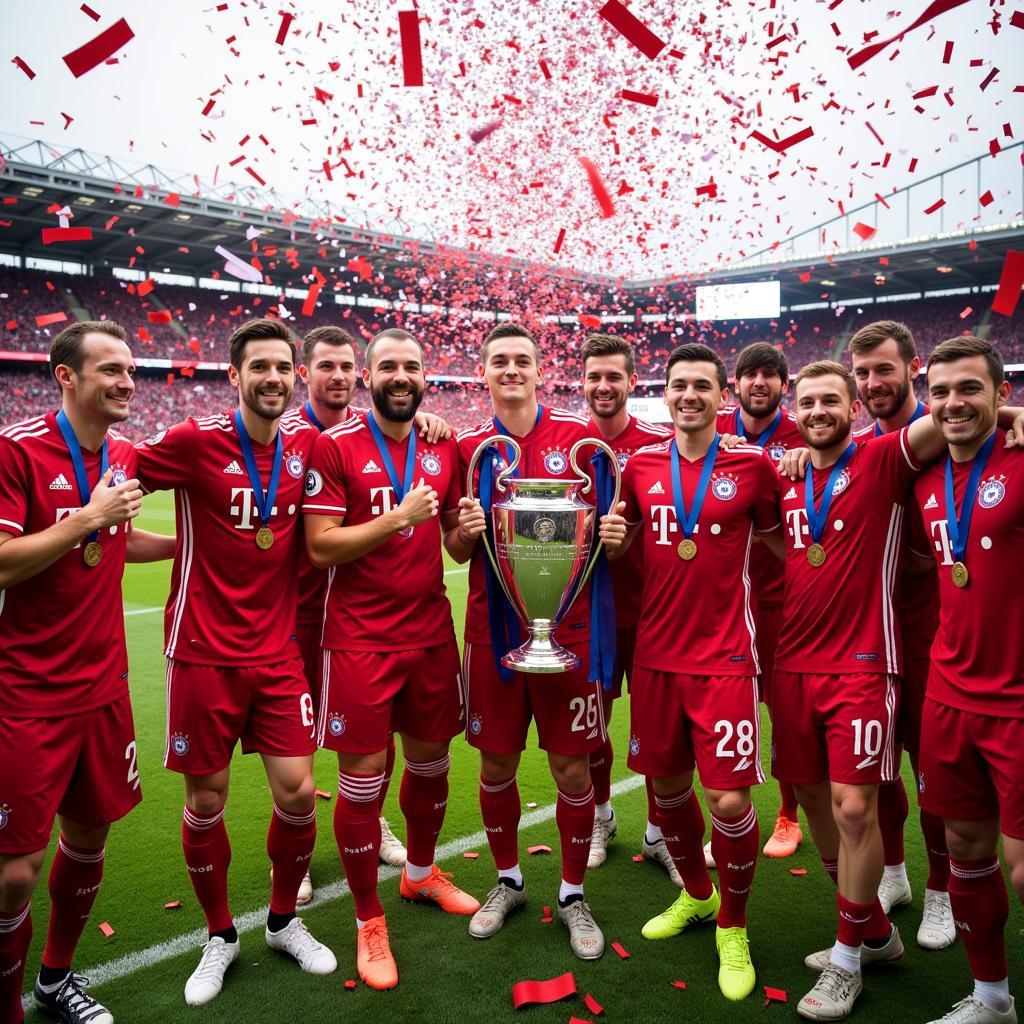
[791, 493]
[60, 483]
[233, 467]
[657, 488]
[931, 502]
[371, 467]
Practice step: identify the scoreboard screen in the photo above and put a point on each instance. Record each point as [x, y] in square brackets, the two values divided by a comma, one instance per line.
[751, 301]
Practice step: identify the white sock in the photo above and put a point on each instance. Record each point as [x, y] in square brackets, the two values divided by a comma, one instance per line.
[897, 871]
[514, 873]
[603, 811]
[360, 923]
[654, 833]
[847, 957]
[415, 873]
[994, 994]
[567, 889]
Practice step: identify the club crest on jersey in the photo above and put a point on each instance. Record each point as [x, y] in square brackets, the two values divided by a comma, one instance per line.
[119, 477]
[156, 438]
[180, 744]
[634, 746]
[555, 461]
[314, 483]
[336, 725]
[724, 488]
[5, 814]
[430, 464]
[991, 492]
[842, 482]
[295, 466]
[622, 458]
[776, 451]
[476, 725]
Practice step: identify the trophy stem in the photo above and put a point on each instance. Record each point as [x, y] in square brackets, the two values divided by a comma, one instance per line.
[541, 653]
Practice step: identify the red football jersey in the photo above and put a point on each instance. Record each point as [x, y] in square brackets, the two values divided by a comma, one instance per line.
[840, 617]
[393, 598]
[689, 622]
[62, 648]
[978, 654]
[627, 572]
[766, 571]
[545, 456]
[230, 602]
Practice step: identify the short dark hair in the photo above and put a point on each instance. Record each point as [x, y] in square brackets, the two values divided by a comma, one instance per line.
[66, 349]
[824, 367]
[694, 352]
[508, 330]
[327, 335]
[390, 332]
[608, 345]
[262, 329]
[762, 355]
[964, 347]
[872, 335]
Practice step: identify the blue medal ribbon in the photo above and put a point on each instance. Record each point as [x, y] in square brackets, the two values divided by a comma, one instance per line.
[312, 417]
[918, 413]
[264, 499]
[960, 527]
[688, 520]
[765, 436]
[401, 488]
[603, 638]
[817, 517]
[78, 463]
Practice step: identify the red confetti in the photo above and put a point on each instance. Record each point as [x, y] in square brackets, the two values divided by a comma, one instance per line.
[679, 984]
[159, 316]
[282, 32]
[774, 995]
[864, 231]
[255, 175]
[145, 287]
[173, 904]
[471, 855]
[50, 318]
[12, 325]
[1017, 19]
[988, 78]
[578, 1020]
[99, 49]
[86, 9]
[412, 55]
[586, 320]
[632, 28]
[558, 245]
[481, 133]
[51, 235]
[172, 199]
[1011, 280]
[966, 312]
[798, 871]
[986, 199]
[618, 947]
[529, 993]
[323, 794]
[106, 929]
[933, 10]
[544, 70]
[24, 67]
[593, 1005]
[937, 205]
[538, 849]
[604, 200]
[646, 98]
[947, 53]
[350, 984]
[783, 144]
[638, 858]
[209, 106]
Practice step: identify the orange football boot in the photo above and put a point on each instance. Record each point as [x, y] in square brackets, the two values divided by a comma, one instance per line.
[374, 961]
[438, 888]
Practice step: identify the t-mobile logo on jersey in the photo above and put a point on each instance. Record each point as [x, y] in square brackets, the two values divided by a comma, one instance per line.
[382, 500]
[940, 534]
[796, 523]
[663, 523]
[63, 513]
[246, 512]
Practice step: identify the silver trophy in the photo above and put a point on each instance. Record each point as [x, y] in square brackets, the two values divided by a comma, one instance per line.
[544, 550]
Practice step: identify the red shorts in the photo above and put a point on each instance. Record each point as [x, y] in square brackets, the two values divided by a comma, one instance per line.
[679, 722]
[211, 707]
[912, 687]
[84, 767]
[566, 706]
[768, 622]
[368, 695]
[625, 649]
[838, 728]
[971, 767]
[308, 635]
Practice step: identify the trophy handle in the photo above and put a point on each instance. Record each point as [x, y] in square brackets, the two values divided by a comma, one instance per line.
[617, 474]
[499, 484]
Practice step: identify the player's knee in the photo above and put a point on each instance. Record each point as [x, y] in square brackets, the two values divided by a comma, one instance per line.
[572, 776]
[855, 815]
[296, 795]
[497, 768]
[18, 877]
[727, 803]
[206, 802]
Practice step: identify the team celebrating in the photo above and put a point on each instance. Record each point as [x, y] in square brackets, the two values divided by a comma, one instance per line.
[845, 579]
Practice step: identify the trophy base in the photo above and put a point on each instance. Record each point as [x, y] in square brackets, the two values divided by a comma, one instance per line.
[540, 656]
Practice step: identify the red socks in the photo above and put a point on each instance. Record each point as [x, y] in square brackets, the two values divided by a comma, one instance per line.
[853, 919]
[423, 798]
[981, 909]
[601, 761]
[938, 853]
[831, 869]
[501, 809]
[290, 842]
[357, 831]
[735, 845]
[207, 849]
[574, 815]
[389, 767]
[893, 809]
[74, 882]
[682, 823]
[15, 936]
[788, 806]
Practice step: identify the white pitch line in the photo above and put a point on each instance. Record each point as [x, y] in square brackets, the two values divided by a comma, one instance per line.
[130, 963]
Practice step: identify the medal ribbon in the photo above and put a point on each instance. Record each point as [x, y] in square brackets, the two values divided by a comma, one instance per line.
[960, 527]
[918, 413]
[765, 436]
[264, 499]
[688, 520]
[602, 599]
[400, 488]
[78, 462]
[818, 517]
[312, 417]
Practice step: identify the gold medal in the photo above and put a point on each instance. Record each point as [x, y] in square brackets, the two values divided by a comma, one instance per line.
[816, 555]
[687, 549]
[92, 553]
[264, 538]
[960, 575]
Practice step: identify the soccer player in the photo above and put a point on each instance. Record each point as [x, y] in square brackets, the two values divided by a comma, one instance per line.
[762, 379]
[68, 493]
[695, 509]
[567, 707]
[234, 671]
[609, 377]
[374, 498]
[971, 760]
[885, 364]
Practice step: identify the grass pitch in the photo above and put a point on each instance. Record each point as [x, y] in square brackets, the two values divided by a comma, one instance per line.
[445, 975]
